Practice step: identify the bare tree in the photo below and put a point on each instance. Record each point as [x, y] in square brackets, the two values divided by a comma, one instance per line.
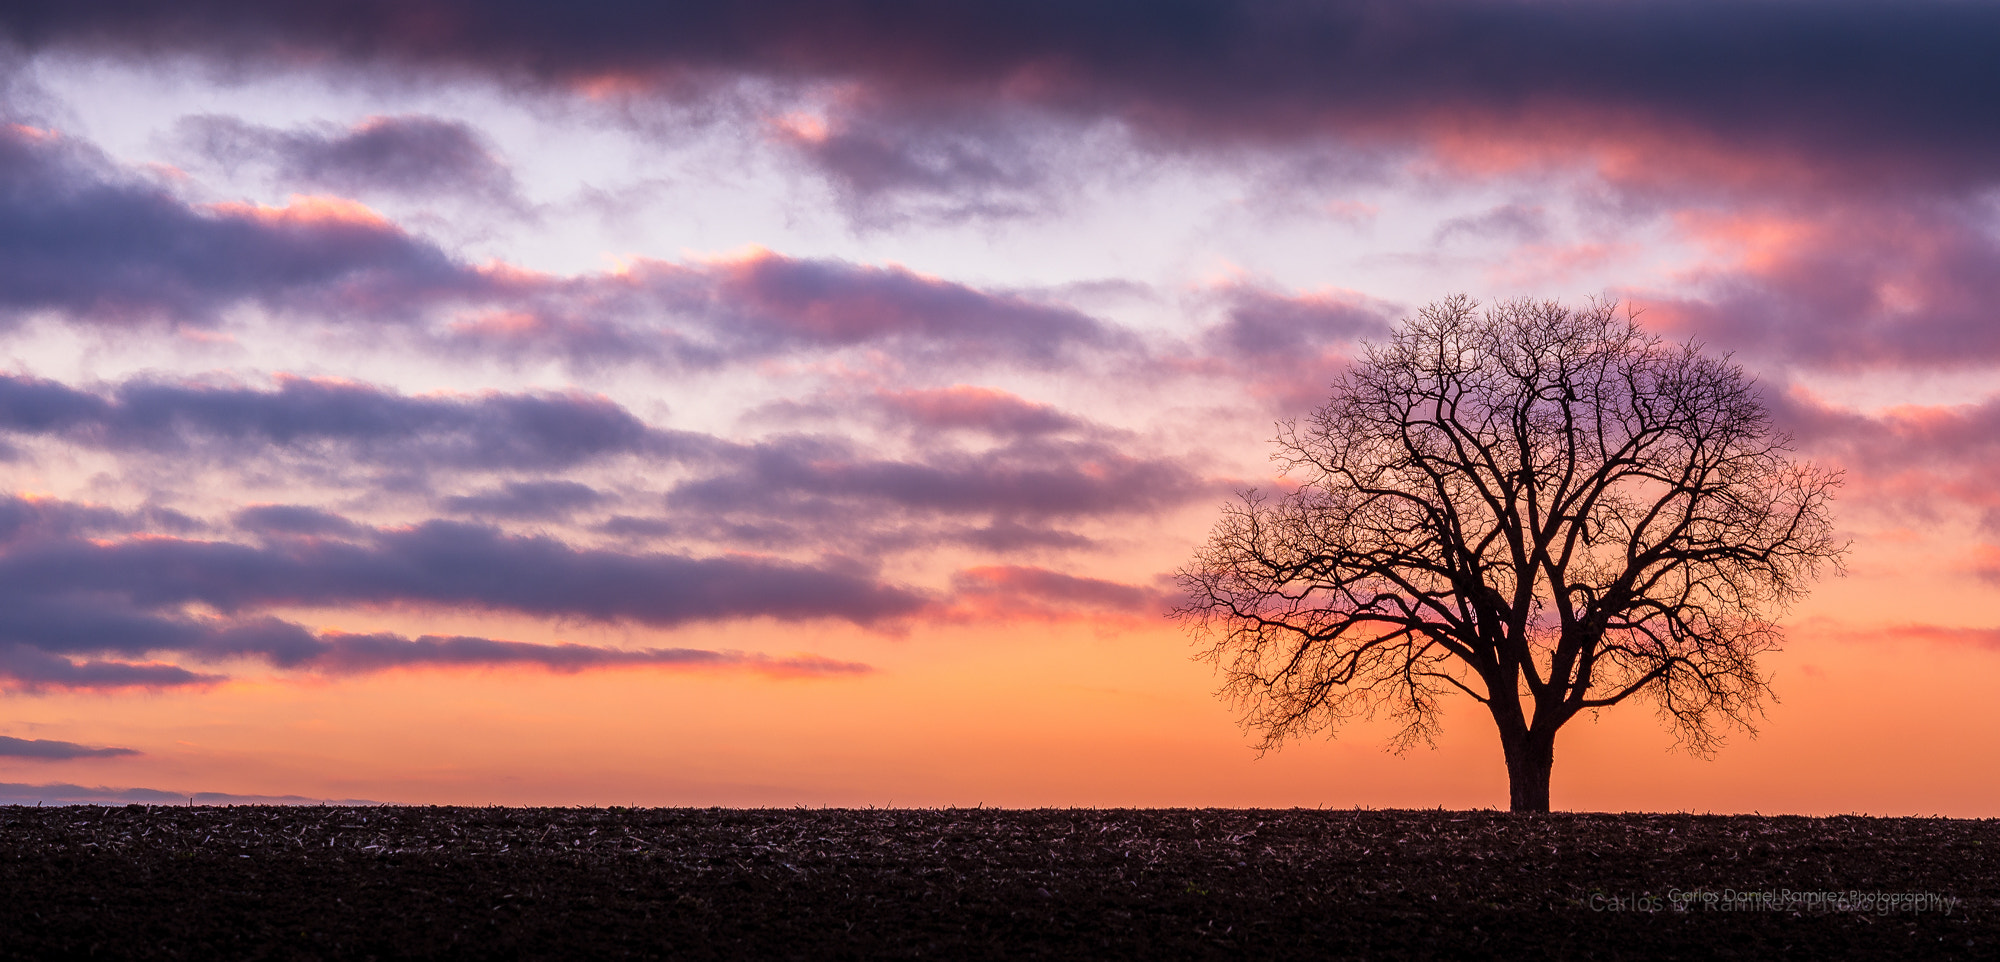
[1545, 509]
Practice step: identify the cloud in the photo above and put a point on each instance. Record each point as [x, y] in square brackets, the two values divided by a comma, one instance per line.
[1285, 348]
[486, 431]
[958, 465]
[82, 613]
[79, 236]
[48, 749]
[1005, 593]
[969, 407]
[982, 466]
[777, 299]
[893, 155]
[95, 595]
[757, 304]
[1880, 88]
[1516, 222]
[1914, 459]
[1846, 285]
[1965, 435]
[408, 155]
[1262, 324]
[27, 517]
[1043, 585]
[19, 793]
[1030, 480]
[28, 667]
[100, 246]
[290, 647]
[296, 520]
[527, 500]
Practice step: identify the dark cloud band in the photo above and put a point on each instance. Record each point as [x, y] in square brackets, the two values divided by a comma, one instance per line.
[1902, 83]
[97, 591]
[518, 431]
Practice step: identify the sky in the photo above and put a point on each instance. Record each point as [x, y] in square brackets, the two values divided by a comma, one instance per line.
[784, 403]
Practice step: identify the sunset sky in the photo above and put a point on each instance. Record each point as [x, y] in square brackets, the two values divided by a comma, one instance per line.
[807, 402]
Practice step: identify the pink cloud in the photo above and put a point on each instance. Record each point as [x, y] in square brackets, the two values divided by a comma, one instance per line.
[980, 408]
[998, 594]
[1911, 458]
[1842, 284]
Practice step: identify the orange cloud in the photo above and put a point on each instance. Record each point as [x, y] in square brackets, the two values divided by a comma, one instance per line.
[308, 210]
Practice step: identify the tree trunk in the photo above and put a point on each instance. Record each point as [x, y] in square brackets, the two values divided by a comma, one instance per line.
[1530, 755]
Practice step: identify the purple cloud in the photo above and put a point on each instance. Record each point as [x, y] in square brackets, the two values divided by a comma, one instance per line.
[792, 490]
[494, 430]
[79, 236]
[763, 304]
[349, 654]
[527, 500]
[1030, 479]
[295, 520]
[1915, 459]
[438, 563]
[48, 749]
[408, 155]
[1263, 325]
[1847, 284]
[291, 647]
[893, 160]
[1517, 222]
[1880, 88]
[18, 793]
[78, 612]
[968, 407]
[781, 300]
[1285, 348]
[30, 668]
[24, 518]
[977, 467]
[1002, 588]
[82, 612]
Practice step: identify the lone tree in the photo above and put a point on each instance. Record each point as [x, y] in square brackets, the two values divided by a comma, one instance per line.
[1546, 509]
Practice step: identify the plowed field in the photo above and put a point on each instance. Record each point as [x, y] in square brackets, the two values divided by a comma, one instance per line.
[398, 882]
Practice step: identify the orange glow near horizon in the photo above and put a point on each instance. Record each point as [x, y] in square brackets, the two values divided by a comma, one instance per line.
[1040, 712]
[1846, 736]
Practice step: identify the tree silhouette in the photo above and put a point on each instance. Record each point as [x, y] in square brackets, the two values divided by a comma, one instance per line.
[1546, 509]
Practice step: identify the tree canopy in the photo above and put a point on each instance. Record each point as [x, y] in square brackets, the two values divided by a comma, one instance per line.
[1548, 510]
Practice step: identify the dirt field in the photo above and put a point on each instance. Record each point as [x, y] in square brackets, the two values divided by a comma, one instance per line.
[302, 883]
